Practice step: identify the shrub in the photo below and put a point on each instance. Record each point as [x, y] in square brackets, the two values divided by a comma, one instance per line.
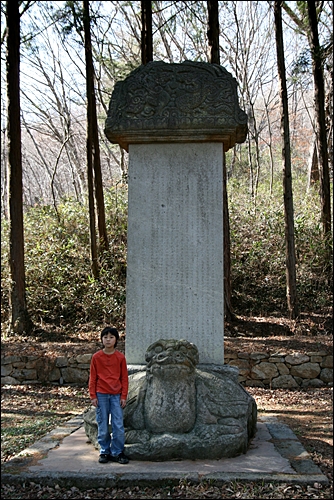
[258, 250]
[61, 289]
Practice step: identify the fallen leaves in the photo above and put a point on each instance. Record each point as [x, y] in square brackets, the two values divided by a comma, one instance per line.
[36, 410]
[182, 490]
[307, 412]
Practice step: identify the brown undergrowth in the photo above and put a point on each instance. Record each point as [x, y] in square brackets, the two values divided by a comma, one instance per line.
[311, 332]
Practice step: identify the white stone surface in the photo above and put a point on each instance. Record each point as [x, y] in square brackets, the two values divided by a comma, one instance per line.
[175, 248]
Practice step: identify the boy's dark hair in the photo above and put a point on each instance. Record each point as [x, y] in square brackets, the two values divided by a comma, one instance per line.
[113, 331]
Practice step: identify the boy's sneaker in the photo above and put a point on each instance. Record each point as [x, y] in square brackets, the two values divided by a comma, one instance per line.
[121, 458]
[104, 458]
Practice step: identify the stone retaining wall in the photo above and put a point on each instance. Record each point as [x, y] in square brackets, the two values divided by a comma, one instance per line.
[256, 369]
[41, 368]
[281, 370]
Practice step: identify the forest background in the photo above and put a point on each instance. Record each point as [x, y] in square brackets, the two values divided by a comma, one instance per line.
[68, 302]
[61, 288]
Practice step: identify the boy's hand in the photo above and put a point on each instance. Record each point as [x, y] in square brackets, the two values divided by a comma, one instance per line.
[123, 403]
[94, 402]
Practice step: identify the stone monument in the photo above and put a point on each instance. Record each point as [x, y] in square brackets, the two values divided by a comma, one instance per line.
[177, 121]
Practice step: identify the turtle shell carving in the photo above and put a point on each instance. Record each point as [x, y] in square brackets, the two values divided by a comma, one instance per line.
[177, 409]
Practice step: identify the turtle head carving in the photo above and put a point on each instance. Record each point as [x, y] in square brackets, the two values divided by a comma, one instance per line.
[170, 400]
[177, 352]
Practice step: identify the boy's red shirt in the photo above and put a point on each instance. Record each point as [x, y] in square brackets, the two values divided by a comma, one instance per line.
[108, 374]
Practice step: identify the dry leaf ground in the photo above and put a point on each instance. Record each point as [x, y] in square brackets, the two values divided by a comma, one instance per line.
[28, 412]
[307, 412]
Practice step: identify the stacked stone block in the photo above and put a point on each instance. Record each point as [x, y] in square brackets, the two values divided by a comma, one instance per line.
[256, 369]
[282, 370]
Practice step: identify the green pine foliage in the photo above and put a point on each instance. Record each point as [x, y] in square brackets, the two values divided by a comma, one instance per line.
[62, 291]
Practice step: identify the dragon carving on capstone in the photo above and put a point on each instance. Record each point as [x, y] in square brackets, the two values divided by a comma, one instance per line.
[179, 410]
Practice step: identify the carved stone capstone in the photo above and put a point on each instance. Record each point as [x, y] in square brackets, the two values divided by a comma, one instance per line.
[178, 411]
[186, 102]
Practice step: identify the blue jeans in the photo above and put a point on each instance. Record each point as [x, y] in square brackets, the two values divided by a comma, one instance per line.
[110, 404]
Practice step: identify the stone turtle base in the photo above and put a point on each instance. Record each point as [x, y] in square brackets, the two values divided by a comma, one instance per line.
[225, 419]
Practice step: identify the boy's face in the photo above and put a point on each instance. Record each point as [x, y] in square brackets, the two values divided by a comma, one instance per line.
[109, 340]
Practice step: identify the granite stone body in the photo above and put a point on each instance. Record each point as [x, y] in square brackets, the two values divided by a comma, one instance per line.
[194, 413]
[170, 384]
[175, 248]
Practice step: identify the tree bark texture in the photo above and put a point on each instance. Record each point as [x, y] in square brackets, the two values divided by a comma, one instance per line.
[213, 31]
[228, 310]
[89, 145]
[313, 170]
[93, 130]
[20, 321]
[290, 255]
[146, 33]
[319, 101]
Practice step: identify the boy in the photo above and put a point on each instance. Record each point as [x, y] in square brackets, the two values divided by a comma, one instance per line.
[108, 390]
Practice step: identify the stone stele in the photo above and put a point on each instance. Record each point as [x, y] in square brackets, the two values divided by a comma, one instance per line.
[175, 411]
[176, 121]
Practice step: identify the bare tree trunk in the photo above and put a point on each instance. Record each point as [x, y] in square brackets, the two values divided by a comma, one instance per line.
[90, 174]
[319, 101]
[228, 310]
[313, 170]
[146, 34]
[123, 165]
[4, 162]
[232, 164]
[270, 143]
[271, 159]
[93, 129]
[254, 134]
[20, 321]
[213, 40]
[251, 168]
[329, 76]
[290, 255]
[213, 31]
[92, 227]
[53, 178]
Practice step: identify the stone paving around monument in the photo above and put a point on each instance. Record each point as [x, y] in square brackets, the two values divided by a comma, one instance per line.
[64, 457]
